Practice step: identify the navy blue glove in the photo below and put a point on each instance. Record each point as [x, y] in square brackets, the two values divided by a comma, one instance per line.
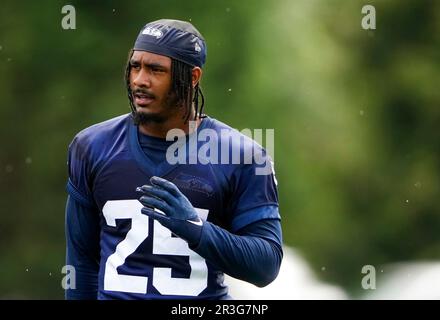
[180, 216]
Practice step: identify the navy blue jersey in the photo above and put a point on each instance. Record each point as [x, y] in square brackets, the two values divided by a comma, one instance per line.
[139, 258]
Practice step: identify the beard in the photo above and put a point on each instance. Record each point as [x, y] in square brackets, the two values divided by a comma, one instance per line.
[141, 118]
[168, 107]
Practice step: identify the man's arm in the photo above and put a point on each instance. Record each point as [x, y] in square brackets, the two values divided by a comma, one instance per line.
[82, 241]
[253, 253]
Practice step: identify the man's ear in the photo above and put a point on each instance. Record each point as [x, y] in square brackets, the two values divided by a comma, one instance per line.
[196, 75]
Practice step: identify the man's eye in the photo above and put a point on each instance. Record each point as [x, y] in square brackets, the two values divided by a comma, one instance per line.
[156, 70]
[135, 66]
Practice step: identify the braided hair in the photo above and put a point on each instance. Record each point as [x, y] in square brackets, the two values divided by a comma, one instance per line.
[181, 86]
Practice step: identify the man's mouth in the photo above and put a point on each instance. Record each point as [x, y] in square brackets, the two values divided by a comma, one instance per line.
[142, 98]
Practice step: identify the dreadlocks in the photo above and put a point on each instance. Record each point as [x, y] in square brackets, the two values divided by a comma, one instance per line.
[181, 87]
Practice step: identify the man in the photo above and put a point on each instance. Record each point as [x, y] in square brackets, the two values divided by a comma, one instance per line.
[141, 227]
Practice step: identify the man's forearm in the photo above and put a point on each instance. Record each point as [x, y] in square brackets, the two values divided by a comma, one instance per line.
[82, 241]
[246, 257]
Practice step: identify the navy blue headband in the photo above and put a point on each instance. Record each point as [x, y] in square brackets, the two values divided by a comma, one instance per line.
[175, 39]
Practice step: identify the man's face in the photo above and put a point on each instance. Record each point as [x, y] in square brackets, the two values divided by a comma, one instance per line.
[150, 83]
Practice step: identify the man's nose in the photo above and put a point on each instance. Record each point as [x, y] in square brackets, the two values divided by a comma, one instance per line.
[142, 79]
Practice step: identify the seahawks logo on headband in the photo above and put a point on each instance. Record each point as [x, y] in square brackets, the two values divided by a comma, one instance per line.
[154, 32]
[176, 39]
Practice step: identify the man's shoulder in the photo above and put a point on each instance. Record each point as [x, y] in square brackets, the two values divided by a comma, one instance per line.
[240, 141]
[101, 134]
[104, 128]
[234, 151]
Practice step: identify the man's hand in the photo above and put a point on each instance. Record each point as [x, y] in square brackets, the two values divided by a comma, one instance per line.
[179, 215]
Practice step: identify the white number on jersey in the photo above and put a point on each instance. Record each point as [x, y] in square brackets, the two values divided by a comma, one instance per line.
[163, 243]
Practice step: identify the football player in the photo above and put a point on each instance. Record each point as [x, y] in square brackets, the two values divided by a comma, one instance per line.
[139, 226]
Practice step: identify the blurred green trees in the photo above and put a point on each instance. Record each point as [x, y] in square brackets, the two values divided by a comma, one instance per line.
[355, 114]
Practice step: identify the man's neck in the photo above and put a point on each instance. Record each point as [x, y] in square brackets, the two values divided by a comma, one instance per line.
[160, 130]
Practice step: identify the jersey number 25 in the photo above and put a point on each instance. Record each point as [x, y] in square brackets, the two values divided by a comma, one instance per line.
[163, 244]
